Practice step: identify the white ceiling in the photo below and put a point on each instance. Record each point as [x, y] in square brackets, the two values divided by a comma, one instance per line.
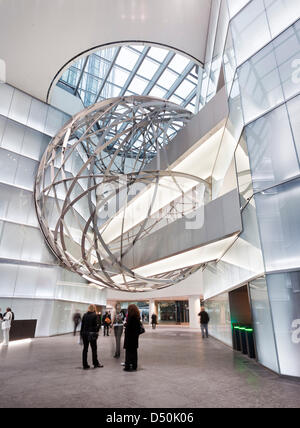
[39, 37]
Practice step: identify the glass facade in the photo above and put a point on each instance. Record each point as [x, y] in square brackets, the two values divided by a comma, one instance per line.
[262, 76]
[219, 318]
[173, 312]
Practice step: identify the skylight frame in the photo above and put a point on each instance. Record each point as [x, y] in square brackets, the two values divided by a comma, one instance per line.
[107, 57]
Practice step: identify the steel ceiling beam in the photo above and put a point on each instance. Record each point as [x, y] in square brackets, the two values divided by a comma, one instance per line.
[108, 72]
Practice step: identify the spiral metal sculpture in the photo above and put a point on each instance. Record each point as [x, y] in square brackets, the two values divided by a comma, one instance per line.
[88, 180]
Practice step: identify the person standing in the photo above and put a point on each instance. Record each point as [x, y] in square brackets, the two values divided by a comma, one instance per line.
[106, 321]
[118, 331]
[154, 321]
[1, 319]
[6, 324]
[89, 333]
[131, 342]
[76, 320]
[204, 320]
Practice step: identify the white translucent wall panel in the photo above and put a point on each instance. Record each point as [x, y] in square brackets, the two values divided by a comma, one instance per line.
[278, 213]
[271, 149]
[34, 144]
[46, 283]
[10, 241]
[21, 139]
[6, 94]
[214, 15]
[3, 121]
[26, 173]
[219, 314]
[8, 277]
[22, 308]
[262, 323]
[235, 6]
[52, 317]
[284, 292]
[54, 121]
[80, 293]
[230, 139]
[20, 106]
[218, 50]
[230, 180]
[8, 166]
[281, 14]
[27, 280]
[34, 247]
[42, 311]
[287, 51]
[243, 171]
[37, 115]
[250, 30]
[61, 320]
[229, 62]
[17, 170]
[293, 107]
[260, 84]
[240, 263]
[13, 136]
[24, 109]
[221, 30]
[68, 276]
[23, 243]
[17, 205]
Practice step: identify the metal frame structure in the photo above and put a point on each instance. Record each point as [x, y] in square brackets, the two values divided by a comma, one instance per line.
[94, 163]
[92, 84]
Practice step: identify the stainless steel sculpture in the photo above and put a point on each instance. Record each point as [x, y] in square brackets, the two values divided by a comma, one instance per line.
[87, 183]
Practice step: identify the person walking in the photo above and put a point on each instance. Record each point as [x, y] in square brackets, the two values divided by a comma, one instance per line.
[118, 331]
[1, 319]
[89, 333]
[131, 342]
[106, 321]
[154, 321]
[76, 320]
[6, 324]
[204, 320]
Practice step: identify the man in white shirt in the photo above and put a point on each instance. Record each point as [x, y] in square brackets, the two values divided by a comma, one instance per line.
[6, 324]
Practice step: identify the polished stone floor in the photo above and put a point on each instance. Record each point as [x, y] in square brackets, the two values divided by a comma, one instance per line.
[177, 368]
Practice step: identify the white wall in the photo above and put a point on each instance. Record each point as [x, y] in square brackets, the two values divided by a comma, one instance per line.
[42, 36]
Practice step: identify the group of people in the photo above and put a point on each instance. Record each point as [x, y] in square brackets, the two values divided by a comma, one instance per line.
[132, 325]
[104, 321]
[90, 326]
[5, 324]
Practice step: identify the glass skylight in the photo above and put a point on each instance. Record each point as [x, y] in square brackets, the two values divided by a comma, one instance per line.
[133, 70]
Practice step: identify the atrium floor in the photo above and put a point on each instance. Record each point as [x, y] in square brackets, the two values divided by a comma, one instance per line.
[177, 368]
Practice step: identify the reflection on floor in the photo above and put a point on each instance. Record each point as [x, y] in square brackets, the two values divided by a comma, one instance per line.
[177, 368]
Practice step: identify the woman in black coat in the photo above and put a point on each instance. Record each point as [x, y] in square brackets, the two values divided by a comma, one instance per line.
[89, 333]
[131, 342]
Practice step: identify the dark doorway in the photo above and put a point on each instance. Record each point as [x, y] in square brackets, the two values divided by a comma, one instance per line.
[241, 321]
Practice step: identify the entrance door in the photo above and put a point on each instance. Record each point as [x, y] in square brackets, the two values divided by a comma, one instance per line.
[241, 321]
